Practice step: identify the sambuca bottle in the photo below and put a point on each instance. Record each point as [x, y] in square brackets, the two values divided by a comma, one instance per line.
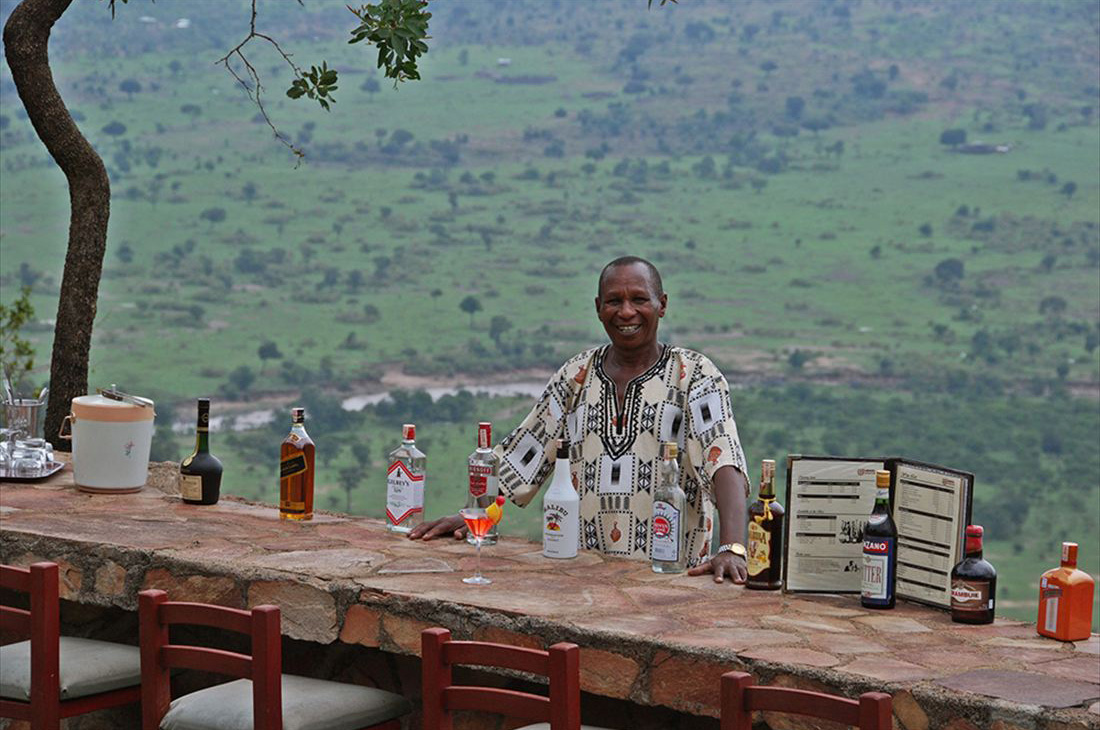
[561, 510]
[405, 483]
[880, 549]
[667, 552]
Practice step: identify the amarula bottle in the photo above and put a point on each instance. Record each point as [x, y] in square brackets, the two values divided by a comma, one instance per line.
[1065, 599]
[201, 472]
[296, 460]
[666, 528]
[561, 510]
[765, 561]
[973, 583]
[405, 483]
[483, 468]
[880, 549]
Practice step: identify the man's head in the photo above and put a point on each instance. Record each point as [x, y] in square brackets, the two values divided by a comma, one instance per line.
[630, 302]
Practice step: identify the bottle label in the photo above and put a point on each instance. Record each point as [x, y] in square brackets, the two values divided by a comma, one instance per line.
[559, 529]
[404, 493]
[666, 533]
[970, 596]
[760, 549]
[292, 466]
[191, 486]
[481, 476]
[1050, 618]
[878, 583]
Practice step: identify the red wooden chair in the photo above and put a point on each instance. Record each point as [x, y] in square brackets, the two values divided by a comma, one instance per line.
[262, 698]
[561, 664]
[50, 676]
[873, 710]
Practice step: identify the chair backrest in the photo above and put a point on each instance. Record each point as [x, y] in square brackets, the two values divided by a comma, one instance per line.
[42, 624]
[560, 664]
[873, 710]
[158, 655]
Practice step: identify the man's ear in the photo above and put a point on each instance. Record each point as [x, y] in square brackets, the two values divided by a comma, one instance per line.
[597, 305]
[664, 304]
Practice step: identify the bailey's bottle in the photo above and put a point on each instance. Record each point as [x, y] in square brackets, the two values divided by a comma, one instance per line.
[405, 483]
[973, 583]
[1065, 599]
[880, 549]
[765, 558]
[667, 552]
[561, 510]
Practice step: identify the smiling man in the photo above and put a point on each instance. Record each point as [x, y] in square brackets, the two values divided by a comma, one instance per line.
[616, 404]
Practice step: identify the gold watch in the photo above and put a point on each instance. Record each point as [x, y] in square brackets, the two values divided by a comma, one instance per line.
[732, 547]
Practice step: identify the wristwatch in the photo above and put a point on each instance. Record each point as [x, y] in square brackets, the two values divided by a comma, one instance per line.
[732, 547]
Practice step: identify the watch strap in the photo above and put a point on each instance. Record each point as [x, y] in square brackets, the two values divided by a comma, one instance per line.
[732, 547]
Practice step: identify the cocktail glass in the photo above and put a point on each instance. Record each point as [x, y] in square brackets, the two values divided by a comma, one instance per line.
[478, 523]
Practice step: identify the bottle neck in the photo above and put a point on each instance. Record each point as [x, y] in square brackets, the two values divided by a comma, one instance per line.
[767, 490]
[298, 427]
[202, 428]
[882, 499]
[1071, 564]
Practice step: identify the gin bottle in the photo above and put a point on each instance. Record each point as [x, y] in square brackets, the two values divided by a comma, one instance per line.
[484, 473]
[405, 483]
[666, 528]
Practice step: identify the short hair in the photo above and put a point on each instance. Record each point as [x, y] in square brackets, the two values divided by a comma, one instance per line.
[654, 275]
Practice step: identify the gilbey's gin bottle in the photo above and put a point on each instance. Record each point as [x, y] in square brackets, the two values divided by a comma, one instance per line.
[405, 483]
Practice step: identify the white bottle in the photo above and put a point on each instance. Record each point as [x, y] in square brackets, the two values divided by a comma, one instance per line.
[405, 483]
[561, 510]
[667, 551]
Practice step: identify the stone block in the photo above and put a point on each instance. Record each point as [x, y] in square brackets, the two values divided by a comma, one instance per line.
[214, 589]
[607, 673]
[1023, 687]
[362, 625]
[908, 712]
[684, 683]
[110, 580]
[497, 635]
[308, 612]
[886, 669]
[893, 624]
[1080, 668]
[791, 655]
[402, 634]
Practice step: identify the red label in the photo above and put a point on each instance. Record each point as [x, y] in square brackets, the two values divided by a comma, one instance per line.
[479, 479]
[661, 526]
[871, 546]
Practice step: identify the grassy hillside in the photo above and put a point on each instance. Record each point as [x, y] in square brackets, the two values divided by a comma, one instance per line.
[869, 288]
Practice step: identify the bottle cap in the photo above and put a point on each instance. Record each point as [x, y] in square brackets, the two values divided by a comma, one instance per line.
[408, 431]
[974, 531]
[1069, 552]
[297, 415]
[562, 448]
[767, 470]
[484, 435]
[669, 450]
[882, 479]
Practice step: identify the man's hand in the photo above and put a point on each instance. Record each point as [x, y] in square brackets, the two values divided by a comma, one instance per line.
[723, 564]
[438, 528]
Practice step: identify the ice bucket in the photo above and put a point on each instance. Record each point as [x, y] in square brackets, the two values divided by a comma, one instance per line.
[111, 441]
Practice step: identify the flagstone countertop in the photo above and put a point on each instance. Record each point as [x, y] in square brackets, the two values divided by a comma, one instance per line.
[649, 639]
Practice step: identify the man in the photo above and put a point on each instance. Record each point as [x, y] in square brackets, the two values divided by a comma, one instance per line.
[616, 404]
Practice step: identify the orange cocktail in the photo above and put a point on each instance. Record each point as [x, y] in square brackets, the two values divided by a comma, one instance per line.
[478, 523]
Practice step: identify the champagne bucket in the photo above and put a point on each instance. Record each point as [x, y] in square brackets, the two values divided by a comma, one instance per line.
[111, 442]
[25, 415]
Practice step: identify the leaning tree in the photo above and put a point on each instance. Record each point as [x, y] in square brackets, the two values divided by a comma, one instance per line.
[397, 28]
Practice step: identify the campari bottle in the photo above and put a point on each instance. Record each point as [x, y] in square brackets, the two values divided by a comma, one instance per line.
[405, 483]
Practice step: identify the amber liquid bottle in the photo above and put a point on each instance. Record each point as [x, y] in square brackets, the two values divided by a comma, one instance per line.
[973, 583]
[201, 472]
[1065, 599]
[296, 458]
[765, 558]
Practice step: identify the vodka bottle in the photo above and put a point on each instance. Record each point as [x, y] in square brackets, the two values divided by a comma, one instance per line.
[405, 483]
[666, 528]
[561, 510]
[296, 459]
[484, 473]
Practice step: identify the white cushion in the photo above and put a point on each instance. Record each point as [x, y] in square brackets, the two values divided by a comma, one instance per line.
[546, 726]
[308, 704]
[88, 667]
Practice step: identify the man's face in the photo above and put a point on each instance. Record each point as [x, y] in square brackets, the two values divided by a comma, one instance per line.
[630, 307]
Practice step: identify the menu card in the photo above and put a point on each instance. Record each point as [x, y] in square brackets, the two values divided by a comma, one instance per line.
[829, 500]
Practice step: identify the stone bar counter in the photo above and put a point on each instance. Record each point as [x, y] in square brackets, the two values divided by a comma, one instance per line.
[657, 642]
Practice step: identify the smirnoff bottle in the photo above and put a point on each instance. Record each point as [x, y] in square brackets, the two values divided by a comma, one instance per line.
[405, 483]
[561, 510]
[667, 552]
[484, 472]
[880, 549]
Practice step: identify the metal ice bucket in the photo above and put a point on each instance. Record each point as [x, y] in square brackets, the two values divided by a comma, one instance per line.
[25, 415]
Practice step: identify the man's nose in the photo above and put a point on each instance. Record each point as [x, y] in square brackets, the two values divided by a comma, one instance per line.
[627, 310]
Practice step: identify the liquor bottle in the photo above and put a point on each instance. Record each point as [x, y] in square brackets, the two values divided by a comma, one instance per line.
[201, 472]
[880, 549]
[973, 583]
[484, 473]
[405, 483]
[296, 460]
[561, 510]
[667, 552]
[1065, 599]
[765, 561]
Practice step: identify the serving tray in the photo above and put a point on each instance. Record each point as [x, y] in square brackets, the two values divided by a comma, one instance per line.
[51, 468]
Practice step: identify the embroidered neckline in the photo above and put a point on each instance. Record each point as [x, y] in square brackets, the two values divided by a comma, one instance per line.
[617, 439]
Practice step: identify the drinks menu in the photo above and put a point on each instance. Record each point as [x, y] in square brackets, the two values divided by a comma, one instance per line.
[828, 502]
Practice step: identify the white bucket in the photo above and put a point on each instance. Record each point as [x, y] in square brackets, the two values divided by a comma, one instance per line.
[111, 441]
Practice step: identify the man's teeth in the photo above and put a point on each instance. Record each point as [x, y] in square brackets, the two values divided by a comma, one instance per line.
[630, 329]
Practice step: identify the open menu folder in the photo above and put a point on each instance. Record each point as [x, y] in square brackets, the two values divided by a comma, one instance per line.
[829, 500]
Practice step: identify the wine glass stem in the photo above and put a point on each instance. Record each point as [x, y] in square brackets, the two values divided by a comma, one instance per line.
[477, 541]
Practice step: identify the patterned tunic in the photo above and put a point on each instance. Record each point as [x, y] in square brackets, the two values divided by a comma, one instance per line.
[614, 456]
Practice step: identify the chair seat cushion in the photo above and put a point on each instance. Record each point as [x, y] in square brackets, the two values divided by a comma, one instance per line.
[308, 704]
[88, 667]
[546, 726]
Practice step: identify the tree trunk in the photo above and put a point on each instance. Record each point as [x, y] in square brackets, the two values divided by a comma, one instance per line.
[26, 36]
